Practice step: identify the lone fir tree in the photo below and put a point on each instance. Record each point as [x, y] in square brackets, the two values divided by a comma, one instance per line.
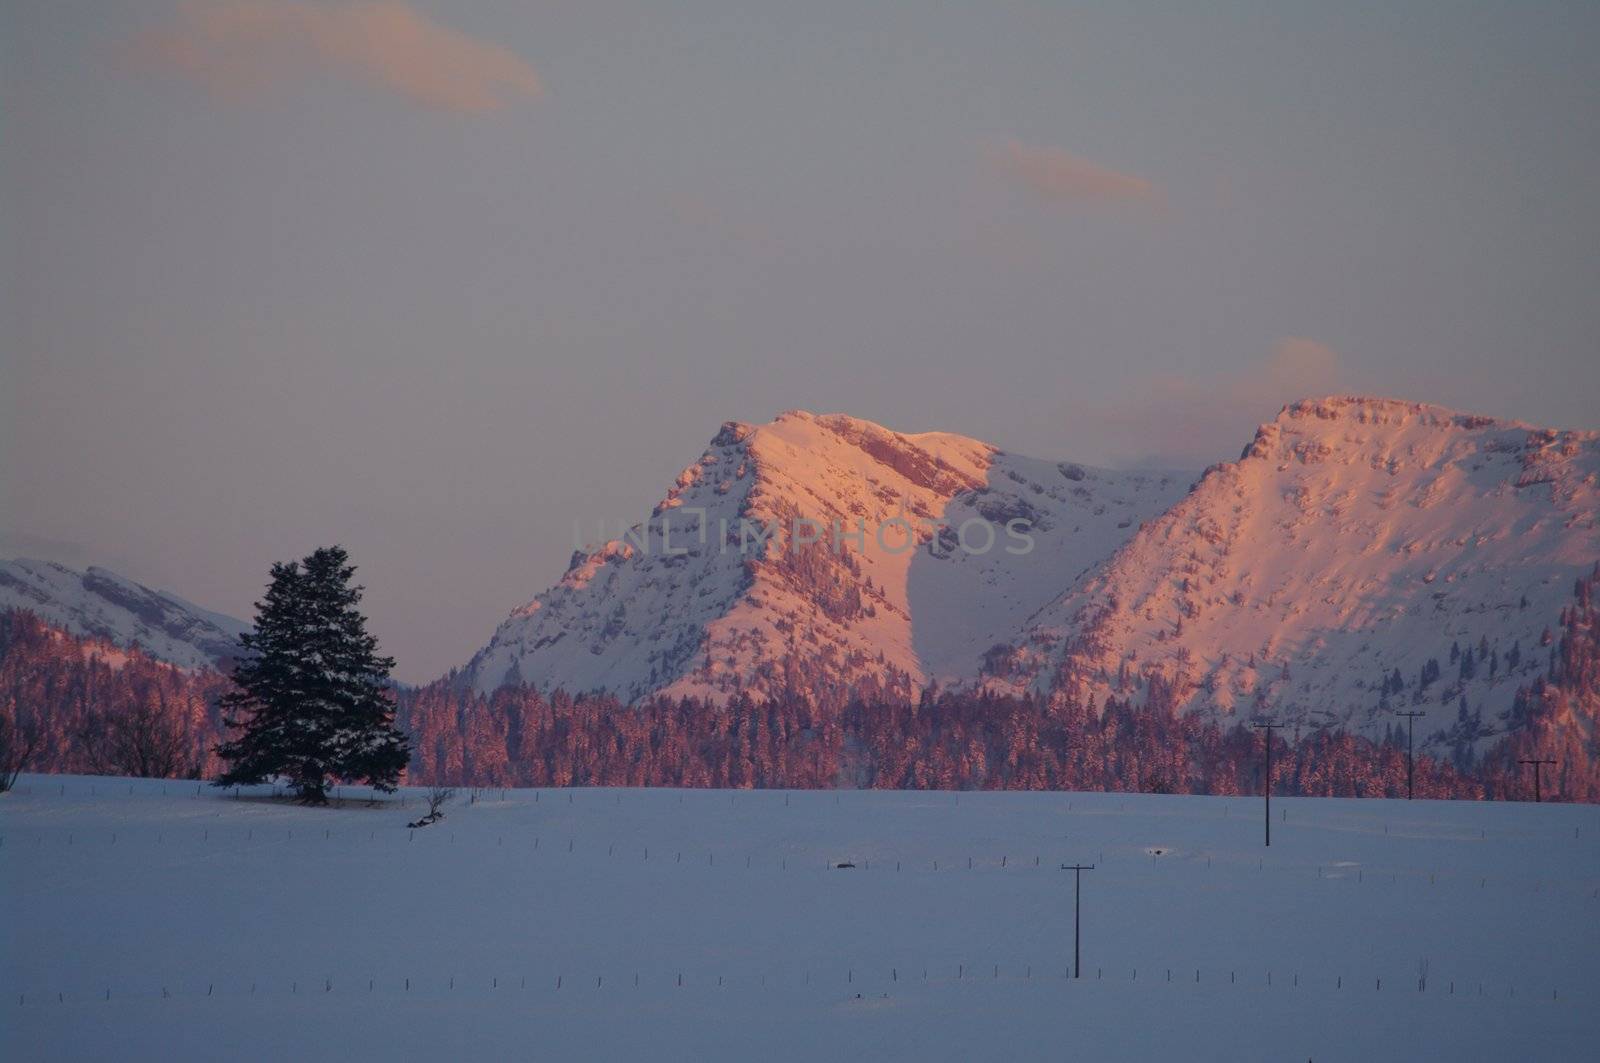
[312, 705]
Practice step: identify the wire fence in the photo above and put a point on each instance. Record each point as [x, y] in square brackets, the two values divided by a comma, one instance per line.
[830, 982]
[838, 858]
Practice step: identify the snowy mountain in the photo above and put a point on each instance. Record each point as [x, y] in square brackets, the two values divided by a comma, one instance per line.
[1362, 555]
[917, 571]
[102, 604]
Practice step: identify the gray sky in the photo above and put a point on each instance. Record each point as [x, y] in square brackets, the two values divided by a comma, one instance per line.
[433, 280]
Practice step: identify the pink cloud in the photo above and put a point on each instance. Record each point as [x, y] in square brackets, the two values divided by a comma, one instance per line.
[238, 47]
[1055, 175]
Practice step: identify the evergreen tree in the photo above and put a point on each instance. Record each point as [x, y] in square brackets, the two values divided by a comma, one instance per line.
[311, 702]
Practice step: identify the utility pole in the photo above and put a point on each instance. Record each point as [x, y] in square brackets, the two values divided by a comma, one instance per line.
[1411, 718]
[1266, 783]
[1537, 764]
[1077, 917]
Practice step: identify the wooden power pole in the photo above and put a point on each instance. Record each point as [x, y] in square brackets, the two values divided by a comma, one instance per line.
[1077, 913]
[1411, 718]
[1266, 783]
[1537, 764]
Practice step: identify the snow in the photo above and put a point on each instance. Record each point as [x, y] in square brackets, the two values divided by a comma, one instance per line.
[634, 621]
[964, 603]
[98, 603]
[1355, 536]
[217, 925]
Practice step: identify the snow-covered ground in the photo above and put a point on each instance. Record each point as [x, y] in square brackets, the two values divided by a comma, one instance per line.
[144, 920]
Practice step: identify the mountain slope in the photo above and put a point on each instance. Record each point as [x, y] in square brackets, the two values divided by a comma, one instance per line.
[887, 599]
[101, 604]
[1362, 555]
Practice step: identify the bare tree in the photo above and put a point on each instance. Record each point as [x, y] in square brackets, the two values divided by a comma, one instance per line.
[17, 747]
[438, 796]
[147, 740]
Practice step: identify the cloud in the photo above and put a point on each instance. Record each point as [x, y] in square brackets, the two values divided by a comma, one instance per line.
[1177, 421]
[235, 48]
[1054, 175]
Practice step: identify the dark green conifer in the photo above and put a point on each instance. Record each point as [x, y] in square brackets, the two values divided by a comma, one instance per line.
[313, 703]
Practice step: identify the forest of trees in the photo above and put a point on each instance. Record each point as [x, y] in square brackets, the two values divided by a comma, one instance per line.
[94, 708]
[518, 737]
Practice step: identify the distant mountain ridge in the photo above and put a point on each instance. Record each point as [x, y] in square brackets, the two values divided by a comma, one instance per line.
[1363, 554]
[98, 603]
[841, 617]
[1362, 557]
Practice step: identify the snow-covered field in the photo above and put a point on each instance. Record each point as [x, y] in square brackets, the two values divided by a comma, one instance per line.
[145, 921]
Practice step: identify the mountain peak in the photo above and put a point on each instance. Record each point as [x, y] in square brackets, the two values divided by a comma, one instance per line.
[1348, 423]
[1353, 535]
[1352, 545]
[1363, 407]
[732, 433]
[695, 601]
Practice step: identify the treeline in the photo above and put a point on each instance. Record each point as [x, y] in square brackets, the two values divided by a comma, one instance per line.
[946, 741]
[95, 708]
[1558, 717]
[85, 706]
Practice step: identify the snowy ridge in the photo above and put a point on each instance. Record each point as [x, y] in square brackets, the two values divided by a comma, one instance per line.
[1356, 546]
[101, 604]
[849, 614]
